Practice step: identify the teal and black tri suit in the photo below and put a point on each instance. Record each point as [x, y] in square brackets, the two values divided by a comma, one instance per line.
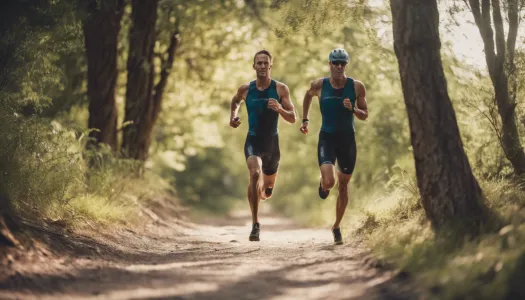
[263, 137]
[337, 135]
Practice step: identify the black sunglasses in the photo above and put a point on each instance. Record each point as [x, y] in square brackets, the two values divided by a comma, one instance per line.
[337, 63]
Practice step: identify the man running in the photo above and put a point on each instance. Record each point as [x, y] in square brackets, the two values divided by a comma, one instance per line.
[265, 99]
[340, 98]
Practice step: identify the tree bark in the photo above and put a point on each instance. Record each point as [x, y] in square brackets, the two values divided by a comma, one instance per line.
[449, 191]
[143, 97]
[500, 66]
[141, 73]
[101, 28]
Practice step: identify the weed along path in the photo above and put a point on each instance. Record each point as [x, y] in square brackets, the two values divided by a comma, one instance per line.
[212, 260]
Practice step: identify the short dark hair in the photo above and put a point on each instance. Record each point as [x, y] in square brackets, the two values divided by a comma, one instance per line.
[264, 51]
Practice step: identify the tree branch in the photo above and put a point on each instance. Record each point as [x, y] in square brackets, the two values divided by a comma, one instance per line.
[511, 46]
[500, 33]
[165, 71]
[513, 29]
[482, 19]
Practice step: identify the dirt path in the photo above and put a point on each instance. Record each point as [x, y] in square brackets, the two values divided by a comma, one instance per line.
[206, 261]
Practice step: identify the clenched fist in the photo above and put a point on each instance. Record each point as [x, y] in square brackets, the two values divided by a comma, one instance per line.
[348, 104]
[235, 122]
[274, 105]
[304, 128]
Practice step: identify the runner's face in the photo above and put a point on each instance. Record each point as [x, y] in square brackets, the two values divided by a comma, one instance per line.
[262, 65]
[337, 68]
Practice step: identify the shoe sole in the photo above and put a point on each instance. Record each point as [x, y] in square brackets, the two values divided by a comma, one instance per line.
[254, 239]
[338, 243]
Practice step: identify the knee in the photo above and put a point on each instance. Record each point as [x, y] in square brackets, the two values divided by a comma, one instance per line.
[255, 174]
[343, 189]
[328, 182]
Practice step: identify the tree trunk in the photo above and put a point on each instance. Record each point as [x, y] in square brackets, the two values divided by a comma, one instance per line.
[449, 191]
[143, 98]
[101, 28]
[141, 73]
[506, 104]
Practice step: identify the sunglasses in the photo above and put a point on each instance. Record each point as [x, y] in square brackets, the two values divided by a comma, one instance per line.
[337, 63]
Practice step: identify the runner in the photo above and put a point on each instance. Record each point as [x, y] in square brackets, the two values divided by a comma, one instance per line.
[340, 99]
[265, 99]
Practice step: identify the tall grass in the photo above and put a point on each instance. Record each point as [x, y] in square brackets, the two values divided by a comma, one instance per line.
[44, 175]
[450, 268]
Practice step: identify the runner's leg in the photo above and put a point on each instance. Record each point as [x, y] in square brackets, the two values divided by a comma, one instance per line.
[346, 153]
[254, 167]
[270, 166]
[326, 158]
[342, 198]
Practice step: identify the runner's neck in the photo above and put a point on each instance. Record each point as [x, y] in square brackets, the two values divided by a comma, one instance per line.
[263, 83]
[338, 82]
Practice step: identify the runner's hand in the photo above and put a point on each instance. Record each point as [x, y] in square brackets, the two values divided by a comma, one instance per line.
[235, 122]
[304, 128]
[348, 104]
[274, 105]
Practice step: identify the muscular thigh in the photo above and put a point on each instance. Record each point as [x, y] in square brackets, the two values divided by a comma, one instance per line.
[271, 155]
[346, 153]
[252, 146]
[326, 149]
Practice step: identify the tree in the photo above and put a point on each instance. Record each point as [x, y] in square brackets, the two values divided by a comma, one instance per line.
[449, 191]
[101, 28]
[500, 57]
[143, 96]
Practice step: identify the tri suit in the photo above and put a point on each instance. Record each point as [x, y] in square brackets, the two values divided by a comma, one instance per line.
[263, 136]
[337, 135]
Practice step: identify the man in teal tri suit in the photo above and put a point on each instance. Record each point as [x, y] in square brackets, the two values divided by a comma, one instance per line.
[340, 98]
[265, 100]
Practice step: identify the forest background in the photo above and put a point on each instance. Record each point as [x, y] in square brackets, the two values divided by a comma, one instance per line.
[172, 66]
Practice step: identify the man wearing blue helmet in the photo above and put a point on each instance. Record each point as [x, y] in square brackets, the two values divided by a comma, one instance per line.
[340, 99]
[265, 100]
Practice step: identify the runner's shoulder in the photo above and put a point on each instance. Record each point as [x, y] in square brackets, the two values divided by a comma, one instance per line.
[359, 85]
[358, 82]
[317, 84]
[243, 90]
[280, 85]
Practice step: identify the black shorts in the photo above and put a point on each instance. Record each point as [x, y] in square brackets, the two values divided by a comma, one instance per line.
[265, 147]
[338, 147]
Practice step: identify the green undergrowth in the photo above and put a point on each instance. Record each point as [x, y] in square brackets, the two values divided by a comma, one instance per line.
[491, 266]
[44, 175]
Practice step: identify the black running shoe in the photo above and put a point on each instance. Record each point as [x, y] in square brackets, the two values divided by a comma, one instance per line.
[338, 238]
[322, 193]
[254, 235]
[268, 192]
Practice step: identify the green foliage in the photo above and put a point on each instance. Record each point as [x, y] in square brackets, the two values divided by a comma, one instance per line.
[43, 174]
[450, 268]
[208, 185]
[33, 37]
[37, 167]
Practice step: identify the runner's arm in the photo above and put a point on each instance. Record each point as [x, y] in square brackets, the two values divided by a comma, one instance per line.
[287, 109]
[314, 90]
[236, 104]
[361, 109]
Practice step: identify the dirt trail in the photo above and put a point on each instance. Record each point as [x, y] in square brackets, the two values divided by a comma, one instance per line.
[205, 261]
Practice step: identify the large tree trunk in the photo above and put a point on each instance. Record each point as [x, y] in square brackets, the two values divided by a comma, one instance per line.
[449, 191]
[101, 28]
[141, 73]
[499, 73]
[143, 97]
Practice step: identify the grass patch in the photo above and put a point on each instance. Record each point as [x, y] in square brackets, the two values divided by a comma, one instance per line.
[44, 175]
[450, 268]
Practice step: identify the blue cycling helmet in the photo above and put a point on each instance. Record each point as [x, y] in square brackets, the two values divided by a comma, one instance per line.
[338, 54]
